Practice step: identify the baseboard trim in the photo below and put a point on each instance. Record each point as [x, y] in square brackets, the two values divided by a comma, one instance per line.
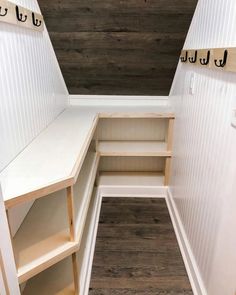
[153, 192]
[188, 257]
[117, 100]
[133, 191]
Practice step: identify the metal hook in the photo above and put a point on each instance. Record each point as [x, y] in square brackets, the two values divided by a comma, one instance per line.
[5, 13]
[36, 22]
[19, 15]
[205, 61]
[184, 59]
[192, 60]
[222, 62]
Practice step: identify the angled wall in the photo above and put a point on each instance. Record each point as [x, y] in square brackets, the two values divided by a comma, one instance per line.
[33, 91]
[204, 167]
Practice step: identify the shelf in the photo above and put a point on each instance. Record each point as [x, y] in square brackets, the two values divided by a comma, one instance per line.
[52, 161]
[58, 279]
[44, 238]
[131, 179]
[133, 148]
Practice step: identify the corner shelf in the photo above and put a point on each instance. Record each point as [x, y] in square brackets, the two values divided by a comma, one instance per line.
[133, 148]
[48, 282]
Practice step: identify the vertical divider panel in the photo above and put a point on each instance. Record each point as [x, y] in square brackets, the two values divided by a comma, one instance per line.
[71, 215]
[75, 273]
[169, 148]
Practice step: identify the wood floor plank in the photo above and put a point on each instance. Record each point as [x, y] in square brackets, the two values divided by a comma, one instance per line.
[137, 251]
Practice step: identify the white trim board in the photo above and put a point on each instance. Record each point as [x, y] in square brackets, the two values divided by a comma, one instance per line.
[117, 100]
[185, 248]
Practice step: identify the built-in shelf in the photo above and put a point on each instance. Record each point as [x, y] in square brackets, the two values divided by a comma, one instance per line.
[54, 158]
[58, 279]
[133, 148]
[131, 179]
[44, 237]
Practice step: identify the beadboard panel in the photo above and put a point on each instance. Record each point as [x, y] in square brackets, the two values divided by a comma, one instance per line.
[33, 91]
[203, 174]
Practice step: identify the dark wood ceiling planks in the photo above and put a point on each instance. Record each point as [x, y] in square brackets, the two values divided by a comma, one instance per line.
[126, 47]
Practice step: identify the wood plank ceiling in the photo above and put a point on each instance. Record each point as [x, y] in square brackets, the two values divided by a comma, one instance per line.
[126, 47]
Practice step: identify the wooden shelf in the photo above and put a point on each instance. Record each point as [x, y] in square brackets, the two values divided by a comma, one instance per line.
[58, 279]
[41, 169]
[44, 237]
[131, 179]
[133, 148]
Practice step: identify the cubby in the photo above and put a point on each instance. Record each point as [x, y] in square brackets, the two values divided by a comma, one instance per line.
[135, 145]
[59, 278]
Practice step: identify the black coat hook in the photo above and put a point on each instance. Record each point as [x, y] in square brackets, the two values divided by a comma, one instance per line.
[192, 60]
[5, 13]
[222, 62]
[184, 59]
[205, 61]
[36, 22]
[19, 15]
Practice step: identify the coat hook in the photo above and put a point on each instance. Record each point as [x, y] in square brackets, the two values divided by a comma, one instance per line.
[205, 61]
[5, 13]
[222, 62]
[19, 15]
[192, 60]
[184, 59]
[36, 22]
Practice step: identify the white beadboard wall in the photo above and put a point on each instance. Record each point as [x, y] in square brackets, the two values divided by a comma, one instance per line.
[33, 91]
[203, 186]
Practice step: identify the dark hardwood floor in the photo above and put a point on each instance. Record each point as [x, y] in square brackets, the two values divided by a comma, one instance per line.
[137, 251]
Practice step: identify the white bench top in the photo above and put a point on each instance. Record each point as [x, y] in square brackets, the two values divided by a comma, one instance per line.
[53, 159]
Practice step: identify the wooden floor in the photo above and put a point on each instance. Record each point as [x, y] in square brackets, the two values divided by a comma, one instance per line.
[137, 251]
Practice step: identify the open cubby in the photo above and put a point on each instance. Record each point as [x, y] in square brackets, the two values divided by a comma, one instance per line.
[59, 278]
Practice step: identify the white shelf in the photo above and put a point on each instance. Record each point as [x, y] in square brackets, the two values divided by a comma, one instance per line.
[133, 148]
[44, 239]
[53, 160]
[148, 179]
[58, 279]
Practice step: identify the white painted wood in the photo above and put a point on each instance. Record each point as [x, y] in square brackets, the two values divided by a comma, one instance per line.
[139, 184]
[41, 165]
[86, 253]
[43, 238]
[203, 172]
[187, 254]
[33, 92]
[133, 148]
[7, 258]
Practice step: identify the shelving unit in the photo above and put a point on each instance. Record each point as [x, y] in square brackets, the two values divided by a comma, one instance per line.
[58, 279]
[137, 138]
[54, 245]
[133, 148]
[45, 236]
